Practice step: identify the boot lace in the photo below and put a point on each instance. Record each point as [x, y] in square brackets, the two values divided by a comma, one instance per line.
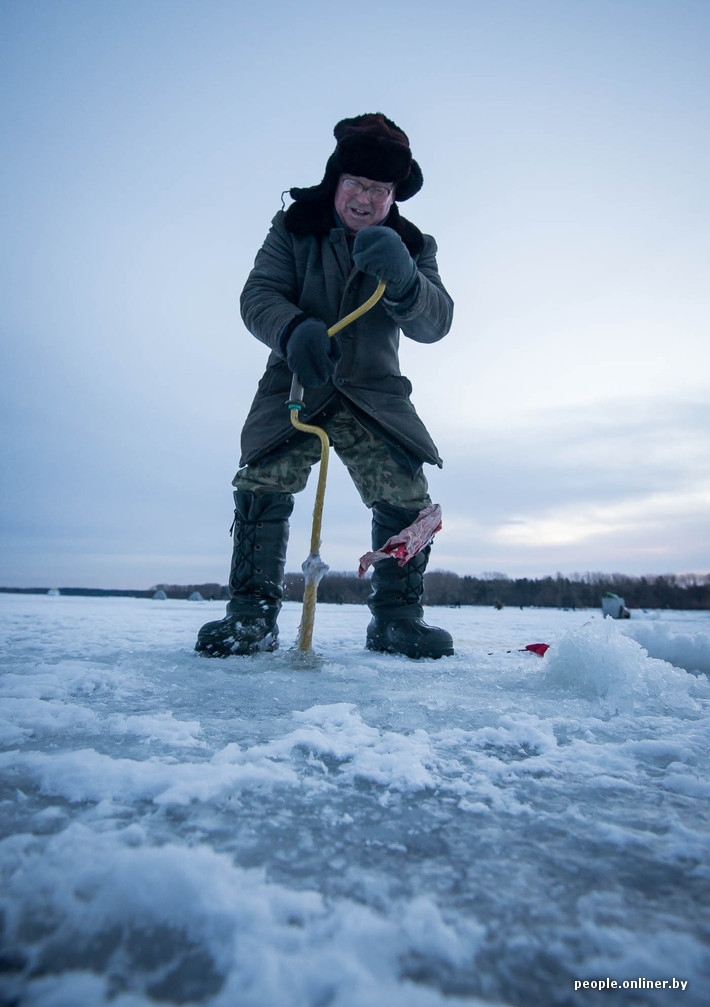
[413, 582]
[245, 557]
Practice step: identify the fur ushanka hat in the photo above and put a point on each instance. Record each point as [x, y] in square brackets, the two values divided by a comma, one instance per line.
[371, 146]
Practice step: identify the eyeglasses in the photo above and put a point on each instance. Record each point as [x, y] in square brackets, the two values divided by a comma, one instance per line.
[377, 193]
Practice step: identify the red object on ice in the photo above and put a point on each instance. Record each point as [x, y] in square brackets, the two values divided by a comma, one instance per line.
[538, 648]
[408, 542]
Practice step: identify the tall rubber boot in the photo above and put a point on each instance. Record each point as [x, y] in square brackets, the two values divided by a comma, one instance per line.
[260, 536]
[397, 626]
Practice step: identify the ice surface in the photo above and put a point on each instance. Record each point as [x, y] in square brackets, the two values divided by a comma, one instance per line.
[366, 832]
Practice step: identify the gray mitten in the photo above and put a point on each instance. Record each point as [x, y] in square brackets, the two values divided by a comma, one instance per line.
[381, 251]
[311, 353]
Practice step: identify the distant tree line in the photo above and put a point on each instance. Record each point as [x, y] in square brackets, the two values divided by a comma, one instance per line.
[673, 591]
[682, 591]
[209, 592]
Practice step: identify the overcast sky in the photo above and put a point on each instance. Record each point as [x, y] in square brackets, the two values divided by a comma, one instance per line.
[564, 146]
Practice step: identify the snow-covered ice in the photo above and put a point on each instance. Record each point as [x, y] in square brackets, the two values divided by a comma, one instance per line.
[368, 831]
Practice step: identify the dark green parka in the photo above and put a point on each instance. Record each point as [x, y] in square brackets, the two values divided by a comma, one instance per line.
[305, 268]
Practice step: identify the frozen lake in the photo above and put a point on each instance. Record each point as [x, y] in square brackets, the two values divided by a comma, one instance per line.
[490, 828]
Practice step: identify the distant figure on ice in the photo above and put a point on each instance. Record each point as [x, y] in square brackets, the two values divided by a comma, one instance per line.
[320, 260]
[614, 607]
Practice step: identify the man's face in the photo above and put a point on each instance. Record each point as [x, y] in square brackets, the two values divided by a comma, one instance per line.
[360, 202]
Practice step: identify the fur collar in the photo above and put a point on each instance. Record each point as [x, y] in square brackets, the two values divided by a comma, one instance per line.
[316, 218]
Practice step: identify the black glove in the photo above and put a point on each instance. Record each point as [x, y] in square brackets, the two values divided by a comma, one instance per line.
[311, 353]
[381, 251]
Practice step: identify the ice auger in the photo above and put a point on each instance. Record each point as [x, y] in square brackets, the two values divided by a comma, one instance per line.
[313, 567]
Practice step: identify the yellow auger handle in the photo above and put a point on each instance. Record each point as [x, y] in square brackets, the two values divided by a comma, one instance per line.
[295, 399]
[295, 404]
[365, 306]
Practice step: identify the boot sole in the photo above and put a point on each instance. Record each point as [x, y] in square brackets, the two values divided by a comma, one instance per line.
[414, 654]
[235, 648]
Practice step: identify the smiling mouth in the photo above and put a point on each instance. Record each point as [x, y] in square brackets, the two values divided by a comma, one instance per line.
[359, 213]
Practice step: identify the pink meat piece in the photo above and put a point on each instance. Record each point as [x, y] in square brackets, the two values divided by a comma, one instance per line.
[408, 542]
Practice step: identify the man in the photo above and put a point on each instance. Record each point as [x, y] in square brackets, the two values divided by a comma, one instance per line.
[322, 259]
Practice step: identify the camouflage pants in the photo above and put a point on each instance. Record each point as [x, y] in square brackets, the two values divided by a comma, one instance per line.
[377, 476]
